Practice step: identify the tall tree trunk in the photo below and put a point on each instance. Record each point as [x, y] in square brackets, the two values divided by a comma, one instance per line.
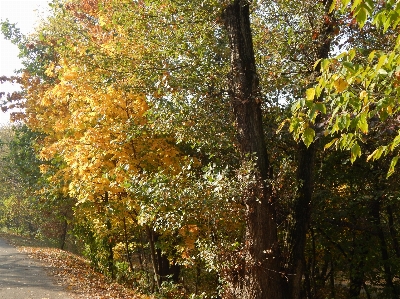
[128, 252]
[163, 270]
[153, 254]
[302, 213]
[305, 176]
[393, 232]
[109, 242]
[375, 212]
[166, 270]
[357, 265]
[258, 267]
[64, 232]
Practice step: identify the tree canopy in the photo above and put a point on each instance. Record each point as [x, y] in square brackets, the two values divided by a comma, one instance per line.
[200, 149]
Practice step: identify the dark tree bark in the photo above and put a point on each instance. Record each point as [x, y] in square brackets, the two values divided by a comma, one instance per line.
[64, 232]
[109, 243]
[257, 274]
[153, 253]
[302, 211]
[163, 269]
[128, 252]
[393, 232]
[166, 270]
[305, 176]
[357, 266]
[356, 281]
[375, 212]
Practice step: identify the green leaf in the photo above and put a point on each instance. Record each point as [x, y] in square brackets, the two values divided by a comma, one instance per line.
[308, 136]
[392, 165]
[362, 123]
[325, 64]
[349, 66]
[352, 54]
[386, 24]
[296, 106]
[356, 3]
[376, 153]
[361, 16]
[395, 142]
[397, 45]
[332, 7]
[355, 152]
[343, 141]
[371, 56]
[379, 20]
[318, 90]
[312, 113]
[362, 10]
[328, 145]
[344, 121]
[381, 62]
[294, 124]
[320, 107]
[395, 18]
[344, 2]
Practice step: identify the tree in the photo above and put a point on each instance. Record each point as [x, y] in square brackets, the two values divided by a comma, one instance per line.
[361, 85]
[104, 130]
[258, 269]
[139, 116]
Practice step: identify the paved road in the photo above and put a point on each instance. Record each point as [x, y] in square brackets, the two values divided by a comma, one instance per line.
[23, 278]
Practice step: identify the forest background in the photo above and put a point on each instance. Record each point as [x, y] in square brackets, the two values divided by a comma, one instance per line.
[228, 149]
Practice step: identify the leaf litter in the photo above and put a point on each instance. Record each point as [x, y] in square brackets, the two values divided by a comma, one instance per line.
[76, 275]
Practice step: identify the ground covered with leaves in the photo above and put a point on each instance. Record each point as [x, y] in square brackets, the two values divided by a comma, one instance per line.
[71, 271]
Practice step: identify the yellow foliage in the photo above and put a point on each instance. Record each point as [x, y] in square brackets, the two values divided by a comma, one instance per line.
[340, 85]
[190, 234]
[50, 70]
[96, 122]
[89, 127]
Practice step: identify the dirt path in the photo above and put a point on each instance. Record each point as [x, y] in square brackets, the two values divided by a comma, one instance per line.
[24, 278]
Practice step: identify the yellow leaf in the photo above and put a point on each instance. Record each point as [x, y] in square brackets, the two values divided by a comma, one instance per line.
[310, 94]
[363, 94]
[340, 84]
